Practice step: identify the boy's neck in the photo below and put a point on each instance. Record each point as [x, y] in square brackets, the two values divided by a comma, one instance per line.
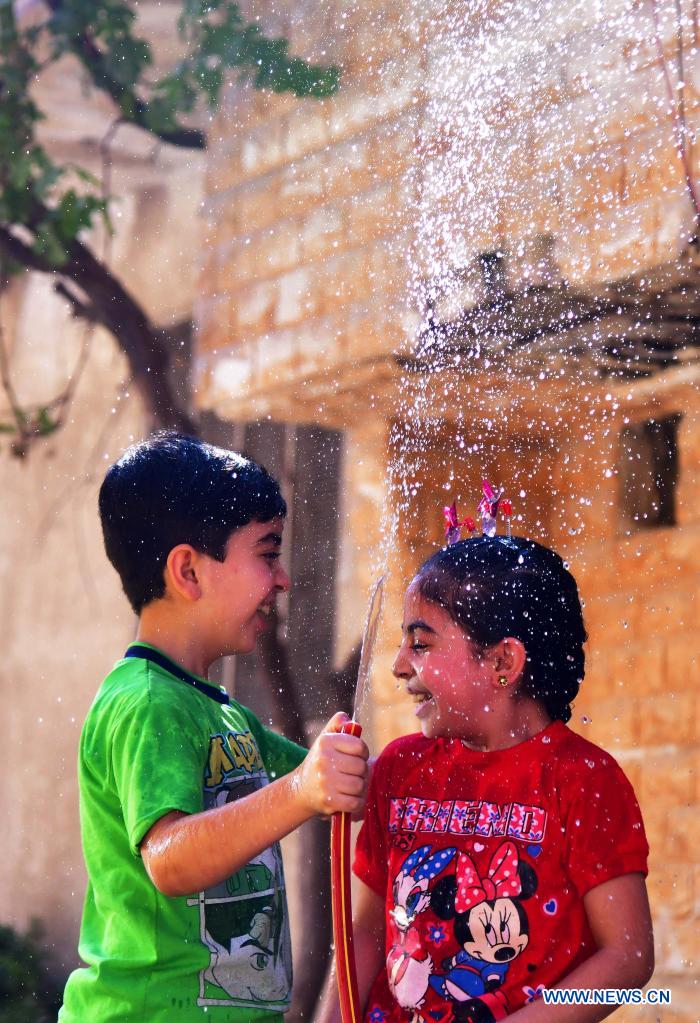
[178, 639]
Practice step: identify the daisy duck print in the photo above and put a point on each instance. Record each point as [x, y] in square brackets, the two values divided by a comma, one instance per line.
[409, 966]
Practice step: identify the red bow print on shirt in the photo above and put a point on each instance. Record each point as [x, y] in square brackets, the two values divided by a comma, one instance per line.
[501, 882]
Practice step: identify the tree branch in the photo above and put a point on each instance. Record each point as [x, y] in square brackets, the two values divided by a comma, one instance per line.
[275, 661]
[80, 309]
[102, 41]
[126, 100]
[21, 253]
[8, 387]
[339, 685]
[133, 109]
[113, 307]
[677, 109]
[343, 682]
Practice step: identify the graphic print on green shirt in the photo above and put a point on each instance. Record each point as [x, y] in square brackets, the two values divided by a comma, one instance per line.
[152, 744]
[243, 921]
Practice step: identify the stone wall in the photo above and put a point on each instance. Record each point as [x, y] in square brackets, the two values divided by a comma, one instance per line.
[63, 617]
[313, 207]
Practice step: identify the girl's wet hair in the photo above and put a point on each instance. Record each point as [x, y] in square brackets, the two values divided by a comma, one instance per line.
[495, 587]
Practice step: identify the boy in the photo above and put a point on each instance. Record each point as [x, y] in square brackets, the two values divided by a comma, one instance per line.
[185, 915]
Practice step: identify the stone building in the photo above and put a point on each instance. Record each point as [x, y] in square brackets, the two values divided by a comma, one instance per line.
[490, 225]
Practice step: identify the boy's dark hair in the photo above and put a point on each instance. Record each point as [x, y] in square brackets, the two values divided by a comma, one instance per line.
[495, 587]
[173, 489]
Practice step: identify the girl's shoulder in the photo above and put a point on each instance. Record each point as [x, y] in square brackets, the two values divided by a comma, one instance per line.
[577, 757]
[575, 749]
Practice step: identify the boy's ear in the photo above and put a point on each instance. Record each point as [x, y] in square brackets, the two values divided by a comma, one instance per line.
[181, 572]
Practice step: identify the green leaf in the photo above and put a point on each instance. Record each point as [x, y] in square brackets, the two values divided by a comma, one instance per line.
[127, 105]
[210, 80]
[159, 116]
[45, 424]
[194, 11]
[176, 92]
[74, 213]
[48, 244]
[84, 175]
[47, 172]
[126, 60]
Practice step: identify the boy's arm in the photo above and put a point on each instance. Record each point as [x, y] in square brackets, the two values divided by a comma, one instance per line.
[368, 938]
[619, 917]
[185, 853]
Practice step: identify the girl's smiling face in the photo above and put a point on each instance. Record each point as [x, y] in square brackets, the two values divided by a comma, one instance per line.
[450, 682]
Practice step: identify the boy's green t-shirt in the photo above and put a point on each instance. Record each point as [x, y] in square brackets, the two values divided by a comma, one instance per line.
[152, 743]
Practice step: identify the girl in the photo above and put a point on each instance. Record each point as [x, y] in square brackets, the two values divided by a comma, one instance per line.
[501, 853]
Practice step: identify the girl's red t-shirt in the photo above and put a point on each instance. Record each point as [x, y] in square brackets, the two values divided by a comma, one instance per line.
[483, 860]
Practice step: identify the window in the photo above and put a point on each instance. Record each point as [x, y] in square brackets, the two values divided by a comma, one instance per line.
[649, 469]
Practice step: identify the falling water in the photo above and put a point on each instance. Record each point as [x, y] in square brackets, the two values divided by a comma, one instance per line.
[527, 193]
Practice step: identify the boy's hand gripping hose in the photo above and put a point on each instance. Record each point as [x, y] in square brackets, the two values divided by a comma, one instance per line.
[350, 1009]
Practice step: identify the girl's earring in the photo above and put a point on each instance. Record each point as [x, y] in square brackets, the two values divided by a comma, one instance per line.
[502, 681]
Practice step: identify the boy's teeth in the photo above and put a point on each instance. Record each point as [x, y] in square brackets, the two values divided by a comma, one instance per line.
[265, 609]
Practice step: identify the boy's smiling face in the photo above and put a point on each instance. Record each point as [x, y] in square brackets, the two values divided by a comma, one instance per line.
[449, 682]
[238, 594]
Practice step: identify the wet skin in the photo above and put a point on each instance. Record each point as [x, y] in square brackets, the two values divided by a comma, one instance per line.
[450, 683]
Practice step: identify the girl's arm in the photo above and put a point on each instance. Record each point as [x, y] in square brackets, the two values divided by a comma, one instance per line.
[368, 933]
[619, 917]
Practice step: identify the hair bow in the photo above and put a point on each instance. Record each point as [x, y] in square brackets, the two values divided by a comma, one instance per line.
[488, 508]
[453, 527]
[502, 880]
[421, 864]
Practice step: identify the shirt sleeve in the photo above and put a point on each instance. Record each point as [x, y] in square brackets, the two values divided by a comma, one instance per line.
[158, 757]
[371, 863]
[604, 829]
[279, 755]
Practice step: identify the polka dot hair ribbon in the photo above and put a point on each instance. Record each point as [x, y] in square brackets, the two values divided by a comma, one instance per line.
[502, 881]
[416, 858]
[432, 866]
